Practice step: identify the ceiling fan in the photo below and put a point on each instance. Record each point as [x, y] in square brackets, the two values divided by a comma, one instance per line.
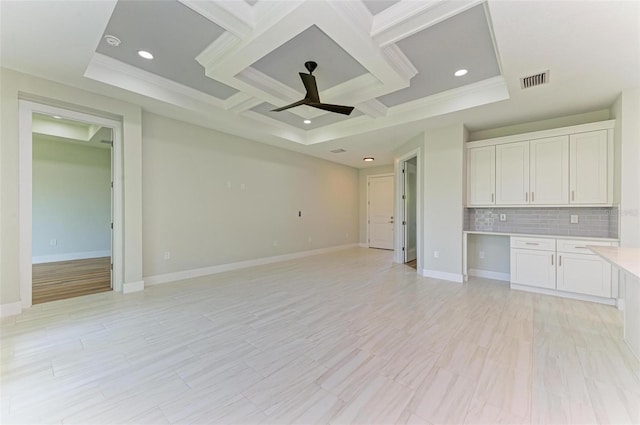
[312, 98]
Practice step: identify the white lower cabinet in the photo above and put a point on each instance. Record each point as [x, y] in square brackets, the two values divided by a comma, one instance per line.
[562, 264]
[533, 268]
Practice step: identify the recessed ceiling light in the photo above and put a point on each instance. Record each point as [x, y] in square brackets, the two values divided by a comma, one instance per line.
[307, 121]
[460, 72]
[145, 54]
[58, 117]
[368, 159]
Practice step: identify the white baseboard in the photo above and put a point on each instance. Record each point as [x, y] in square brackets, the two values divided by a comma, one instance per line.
[451, 277]
[363, 245]
[69, 256]
[487, 274]
[188, 274]
[571, 295]
[10, 309]
[129, 287]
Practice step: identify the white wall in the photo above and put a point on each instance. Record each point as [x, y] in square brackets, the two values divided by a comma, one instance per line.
[71, 200]
[211, 199]
[496, 252]
[363, 173]
[626, 110]
[443, 201]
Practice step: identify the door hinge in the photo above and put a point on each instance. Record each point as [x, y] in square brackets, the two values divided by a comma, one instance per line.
[403, 248]
[403, 171]
[404, 223]
[404, 197]
[111, 266]
[112, 225]
[368, 221]
[112, 185]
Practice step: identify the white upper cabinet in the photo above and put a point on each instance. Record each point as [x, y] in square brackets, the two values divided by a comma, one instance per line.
[558, 167]
[481, 175]
[589, 168]
[512, 173]
[549, 171]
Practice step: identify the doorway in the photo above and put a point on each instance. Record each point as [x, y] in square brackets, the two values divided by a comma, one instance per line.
[43, 219]
[71, 208]
[380, 222]
[409, 212]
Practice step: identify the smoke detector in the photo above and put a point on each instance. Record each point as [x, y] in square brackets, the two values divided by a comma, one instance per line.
[534, 80]
[339, 150]
[112, 40]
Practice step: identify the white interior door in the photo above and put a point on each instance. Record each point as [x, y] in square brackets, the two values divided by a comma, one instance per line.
[380, 195]
[410, 207]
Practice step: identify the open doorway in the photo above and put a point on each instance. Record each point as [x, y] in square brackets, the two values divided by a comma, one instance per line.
[409, 212]
[72, 208]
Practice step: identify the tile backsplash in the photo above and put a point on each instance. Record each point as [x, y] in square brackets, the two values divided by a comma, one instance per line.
[601, 222]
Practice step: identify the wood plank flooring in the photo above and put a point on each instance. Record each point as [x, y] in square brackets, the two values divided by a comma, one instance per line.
[68, 279]
[346, 337]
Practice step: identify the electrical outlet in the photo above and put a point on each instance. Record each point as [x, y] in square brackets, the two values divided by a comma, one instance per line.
[310, 240]
[275, 243]
[574, 219]
[503, 217]
[167, 255]
[436, 254]
[481, 254]
[53, 242]
[228, 185]
[242, 186]
[346, 236]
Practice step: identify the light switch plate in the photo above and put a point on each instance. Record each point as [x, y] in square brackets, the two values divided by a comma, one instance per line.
[503, 217]
[574, 219]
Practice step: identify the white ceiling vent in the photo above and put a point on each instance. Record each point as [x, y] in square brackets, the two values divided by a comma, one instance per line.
[339, 150]
[534, 80]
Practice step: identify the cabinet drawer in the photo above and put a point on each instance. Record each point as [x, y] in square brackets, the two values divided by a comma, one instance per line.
[579, 246]
[540, 244]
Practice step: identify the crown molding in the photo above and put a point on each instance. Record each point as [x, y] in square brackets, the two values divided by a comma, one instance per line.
[373, 108]
[237, 17]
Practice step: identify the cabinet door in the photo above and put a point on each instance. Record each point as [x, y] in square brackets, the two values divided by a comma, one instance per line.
[588, 167]
[512, 173]
[481, 175]
[584, 274]
[533, 268]
[549, 173]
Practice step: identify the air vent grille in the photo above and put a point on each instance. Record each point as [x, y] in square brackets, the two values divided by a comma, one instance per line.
[534, 80]
[339, 150]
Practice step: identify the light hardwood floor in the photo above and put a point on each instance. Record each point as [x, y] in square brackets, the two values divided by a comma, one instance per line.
[68, 279]
[340, 338]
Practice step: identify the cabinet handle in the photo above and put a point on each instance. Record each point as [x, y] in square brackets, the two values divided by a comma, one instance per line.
[526, 196]
[531, 243]
[552, 259]
[492, 197]
[560, 261]
[573, 195]
[580, 246]
[532, 196]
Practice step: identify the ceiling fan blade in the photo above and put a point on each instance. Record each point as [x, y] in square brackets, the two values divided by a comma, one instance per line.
[309, 82]
[339, 109]
[294, 104]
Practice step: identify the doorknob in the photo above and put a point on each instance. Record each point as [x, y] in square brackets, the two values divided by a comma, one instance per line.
[391, 221]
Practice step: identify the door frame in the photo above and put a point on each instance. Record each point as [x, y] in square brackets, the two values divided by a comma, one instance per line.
[368, 215]
[399, 207]
[26, 110]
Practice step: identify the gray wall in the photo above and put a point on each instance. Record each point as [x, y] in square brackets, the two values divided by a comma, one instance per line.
[362, 196]
[210, 198]
[443, 200]
[71, 200]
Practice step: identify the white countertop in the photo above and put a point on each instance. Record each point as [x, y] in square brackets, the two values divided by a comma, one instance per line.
[537, 235]
[625, 258]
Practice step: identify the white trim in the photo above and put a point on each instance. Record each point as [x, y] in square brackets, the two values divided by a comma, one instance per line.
[399, 205]
[367, 204]
[562, 294]
[10, 309]
[26, 110]
[620, 303]
[205, 271]
[129, 287]
[562, 131]
[40, 259]
[487, 274]
[451, 277]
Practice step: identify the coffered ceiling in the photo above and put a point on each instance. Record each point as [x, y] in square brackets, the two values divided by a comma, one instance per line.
[226, 64]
